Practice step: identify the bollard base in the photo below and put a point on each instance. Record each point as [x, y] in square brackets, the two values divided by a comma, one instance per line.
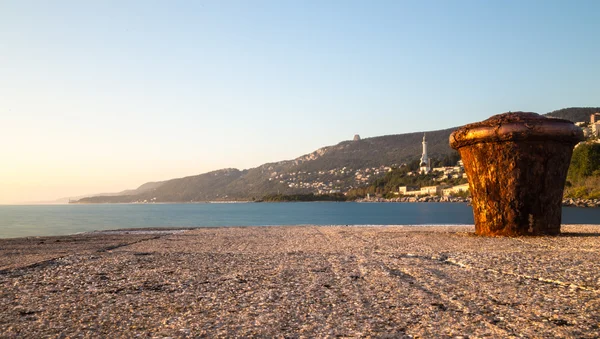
[517, 186]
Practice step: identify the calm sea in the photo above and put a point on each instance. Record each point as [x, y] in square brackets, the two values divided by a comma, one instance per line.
[40, 220]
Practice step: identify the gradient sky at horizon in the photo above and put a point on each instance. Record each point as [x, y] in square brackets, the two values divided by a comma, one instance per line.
[101, 96]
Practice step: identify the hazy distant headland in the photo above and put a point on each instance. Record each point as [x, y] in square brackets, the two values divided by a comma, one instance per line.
[332, 170]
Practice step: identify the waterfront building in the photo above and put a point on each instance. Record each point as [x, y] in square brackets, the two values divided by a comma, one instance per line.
[427, 190]
[431, 190]
[408, 190]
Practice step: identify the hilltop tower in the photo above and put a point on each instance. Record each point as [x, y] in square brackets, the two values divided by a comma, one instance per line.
[425, 164]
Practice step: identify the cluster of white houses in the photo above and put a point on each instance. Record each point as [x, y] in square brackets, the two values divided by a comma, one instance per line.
[591, 129]
[450, 172]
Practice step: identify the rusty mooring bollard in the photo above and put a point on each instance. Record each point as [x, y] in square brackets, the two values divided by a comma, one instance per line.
[517, 165]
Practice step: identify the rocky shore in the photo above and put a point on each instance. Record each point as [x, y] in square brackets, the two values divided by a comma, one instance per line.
[581, 202]
[313, 282]
[430, 198]
[572, 202]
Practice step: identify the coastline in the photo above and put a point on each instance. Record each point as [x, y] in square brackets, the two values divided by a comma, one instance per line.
[567, 202]
[394, 281]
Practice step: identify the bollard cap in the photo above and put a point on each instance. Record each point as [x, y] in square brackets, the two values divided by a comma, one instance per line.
[516, 126]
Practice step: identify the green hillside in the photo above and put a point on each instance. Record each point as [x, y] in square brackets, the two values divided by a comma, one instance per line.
[583, 180]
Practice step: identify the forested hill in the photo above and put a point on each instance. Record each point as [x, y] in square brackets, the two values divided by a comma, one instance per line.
[574, 114]
[347, 165]
[373, 152]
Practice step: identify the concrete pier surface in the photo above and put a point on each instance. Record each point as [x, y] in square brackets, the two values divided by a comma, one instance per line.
[306, 281]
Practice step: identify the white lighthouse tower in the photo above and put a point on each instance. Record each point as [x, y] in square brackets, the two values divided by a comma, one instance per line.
[425, 164]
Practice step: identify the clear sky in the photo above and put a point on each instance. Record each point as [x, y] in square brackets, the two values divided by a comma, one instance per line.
[101, 96]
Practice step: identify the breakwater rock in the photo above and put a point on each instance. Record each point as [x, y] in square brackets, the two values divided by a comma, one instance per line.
[581, 202]
[431, 198]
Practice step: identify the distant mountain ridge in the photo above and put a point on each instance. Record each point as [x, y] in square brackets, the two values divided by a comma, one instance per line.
[145, 187]
[329, 169]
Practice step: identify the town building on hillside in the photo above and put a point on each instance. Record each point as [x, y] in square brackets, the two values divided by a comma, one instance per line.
[595, 124]
[449, 172]
[591, 129]
[425, 163]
